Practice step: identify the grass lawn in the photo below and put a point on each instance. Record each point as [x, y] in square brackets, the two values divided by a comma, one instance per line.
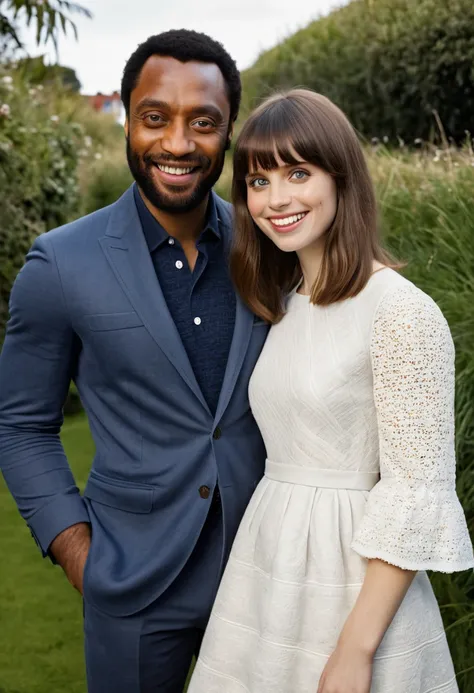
[41, 646]
[40, 613]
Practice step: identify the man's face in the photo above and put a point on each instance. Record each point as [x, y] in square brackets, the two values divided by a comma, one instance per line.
[177, 132]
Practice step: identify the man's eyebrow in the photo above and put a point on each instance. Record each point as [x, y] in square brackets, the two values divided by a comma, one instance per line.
[147, 102]
[207, 109]
[203, 109]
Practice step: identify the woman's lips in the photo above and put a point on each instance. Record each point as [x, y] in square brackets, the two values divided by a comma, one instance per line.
[285, 224]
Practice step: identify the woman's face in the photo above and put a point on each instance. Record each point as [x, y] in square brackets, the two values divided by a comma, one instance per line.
[293, 205]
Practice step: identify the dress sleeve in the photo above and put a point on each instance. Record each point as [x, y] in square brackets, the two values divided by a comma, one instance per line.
[413, 517]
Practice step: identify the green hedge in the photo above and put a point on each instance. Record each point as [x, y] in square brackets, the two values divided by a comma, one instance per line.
[387, 63]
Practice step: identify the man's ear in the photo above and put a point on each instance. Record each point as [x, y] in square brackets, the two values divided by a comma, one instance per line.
[126, 127]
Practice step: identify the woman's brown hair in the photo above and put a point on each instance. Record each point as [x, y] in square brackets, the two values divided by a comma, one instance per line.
[303, 123]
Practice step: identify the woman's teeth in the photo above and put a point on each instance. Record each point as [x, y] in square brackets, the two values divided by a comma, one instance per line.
[175, 171]
[287, 221]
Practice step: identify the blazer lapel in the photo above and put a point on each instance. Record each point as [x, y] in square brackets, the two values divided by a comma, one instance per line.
[126, 250]
[243, 322]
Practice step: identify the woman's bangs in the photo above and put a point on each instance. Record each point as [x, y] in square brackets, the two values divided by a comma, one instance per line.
[270, 143]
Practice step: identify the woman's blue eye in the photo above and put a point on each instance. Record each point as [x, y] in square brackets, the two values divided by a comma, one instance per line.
[258, 183]
[300, 175]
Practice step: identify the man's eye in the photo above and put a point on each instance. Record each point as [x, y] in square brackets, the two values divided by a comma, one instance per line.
[154, 118]
[203, 124]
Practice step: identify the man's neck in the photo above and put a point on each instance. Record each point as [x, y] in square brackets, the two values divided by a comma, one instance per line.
[185, 227]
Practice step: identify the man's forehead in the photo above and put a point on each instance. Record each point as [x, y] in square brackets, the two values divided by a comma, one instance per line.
[164, 77]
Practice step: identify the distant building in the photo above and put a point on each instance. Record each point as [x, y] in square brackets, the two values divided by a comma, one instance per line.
[108, 103]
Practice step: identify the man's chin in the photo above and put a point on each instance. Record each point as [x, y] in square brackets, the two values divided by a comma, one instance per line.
[180, 200]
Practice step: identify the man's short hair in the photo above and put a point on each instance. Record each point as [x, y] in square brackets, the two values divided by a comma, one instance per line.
[183, 45]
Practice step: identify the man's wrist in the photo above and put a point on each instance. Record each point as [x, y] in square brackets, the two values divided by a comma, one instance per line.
[71, 547]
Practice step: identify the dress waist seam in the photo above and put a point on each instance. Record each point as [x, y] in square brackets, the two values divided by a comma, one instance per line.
[321, 478]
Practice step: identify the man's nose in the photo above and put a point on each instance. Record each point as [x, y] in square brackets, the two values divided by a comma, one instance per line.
[177, 141]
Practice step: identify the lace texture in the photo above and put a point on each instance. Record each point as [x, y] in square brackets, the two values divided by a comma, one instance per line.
[413, 517]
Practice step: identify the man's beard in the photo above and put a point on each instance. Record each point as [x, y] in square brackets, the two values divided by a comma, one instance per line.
[180, 201]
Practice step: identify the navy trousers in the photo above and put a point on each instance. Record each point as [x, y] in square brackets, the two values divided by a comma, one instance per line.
[151, 651]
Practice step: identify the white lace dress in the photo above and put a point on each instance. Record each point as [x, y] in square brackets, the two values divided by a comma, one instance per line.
[355, 404]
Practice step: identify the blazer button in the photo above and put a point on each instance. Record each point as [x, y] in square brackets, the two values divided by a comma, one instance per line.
[204, 491]
[217, 433]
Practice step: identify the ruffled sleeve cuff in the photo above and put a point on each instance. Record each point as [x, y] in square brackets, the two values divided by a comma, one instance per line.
[415, 528]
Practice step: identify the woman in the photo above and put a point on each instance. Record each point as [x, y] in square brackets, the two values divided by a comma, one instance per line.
[326, 590]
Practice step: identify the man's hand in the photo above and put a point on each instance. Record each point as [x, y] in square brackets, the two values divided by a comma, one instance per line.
[70, 549]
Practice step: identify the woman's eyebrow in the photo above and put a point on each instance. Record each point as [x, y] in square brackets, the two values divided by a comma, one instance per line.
[254, 173]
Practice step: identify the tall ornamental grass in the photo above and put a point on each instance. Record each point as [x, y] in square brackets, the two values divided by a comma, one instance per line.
[427, 206]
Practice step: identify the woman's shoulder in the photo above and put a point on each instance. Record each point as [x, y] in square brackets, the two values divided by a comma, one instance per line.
[402, 310]
[395, 293]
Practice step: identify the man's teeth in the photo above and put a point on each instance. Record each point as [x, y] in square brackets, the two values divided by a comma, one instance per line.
[288, 220]
[175, 171]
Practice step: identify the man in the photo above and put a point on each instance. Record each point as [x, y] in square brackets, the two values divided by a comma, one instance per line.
[134, 303]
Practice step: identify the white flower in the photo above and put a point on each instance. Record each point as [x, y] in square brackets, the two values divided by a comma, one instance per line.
[6, 146]
[98, 155]
[87, 141]
[32, 91]
[5, 110]
[7, 79]
[55, 118]
[385, 139]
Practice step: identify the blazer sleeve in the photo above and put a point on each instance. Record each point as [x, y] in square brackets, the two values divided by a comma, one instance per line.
[36, 365]
[413, 517]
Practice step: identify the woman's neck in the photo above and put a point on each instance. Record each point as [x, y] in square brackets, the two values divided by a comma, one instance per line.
[310, 259]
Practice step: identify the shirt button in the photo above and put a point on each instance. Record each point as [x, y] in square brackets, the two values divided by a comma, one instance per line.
[204, 492]
[217, 433]
[178, 264]
[171, 241]
[197, 321]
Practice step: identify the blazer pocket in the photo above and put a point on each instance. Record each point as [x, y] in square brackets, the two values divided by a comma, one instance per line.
[113, 321]
[122, 495]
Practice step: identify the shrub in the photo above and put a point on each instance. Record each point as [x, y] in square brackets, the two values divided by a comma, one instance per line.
[387, 63]
[106, 179]
[38, 162]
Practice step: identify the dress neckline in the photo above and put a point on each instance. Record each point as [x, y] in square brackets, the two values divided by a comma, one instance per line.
[307, 296]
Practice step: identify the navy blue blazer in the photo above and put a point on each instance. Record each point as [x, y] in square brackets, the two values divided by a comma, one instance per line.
[87, 306]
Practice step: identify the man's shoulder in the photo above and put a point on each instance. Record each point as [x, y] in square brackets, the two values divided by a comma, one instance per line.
[87, 228]
[88, 223]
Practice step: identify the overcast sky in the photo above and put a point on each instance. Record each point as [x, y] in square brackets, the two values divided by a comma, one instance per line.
[245, 27]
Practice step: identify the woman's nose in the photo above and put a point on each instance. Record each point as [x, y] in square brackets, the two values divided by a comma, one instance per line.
[279, 199]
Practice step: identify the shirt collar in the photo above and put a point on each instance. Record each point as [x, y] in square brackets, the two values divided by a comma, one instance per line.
[155, 234]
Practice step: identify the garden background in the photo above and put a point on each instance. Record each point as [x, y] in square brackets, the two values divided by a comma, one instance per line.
[403, 70]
